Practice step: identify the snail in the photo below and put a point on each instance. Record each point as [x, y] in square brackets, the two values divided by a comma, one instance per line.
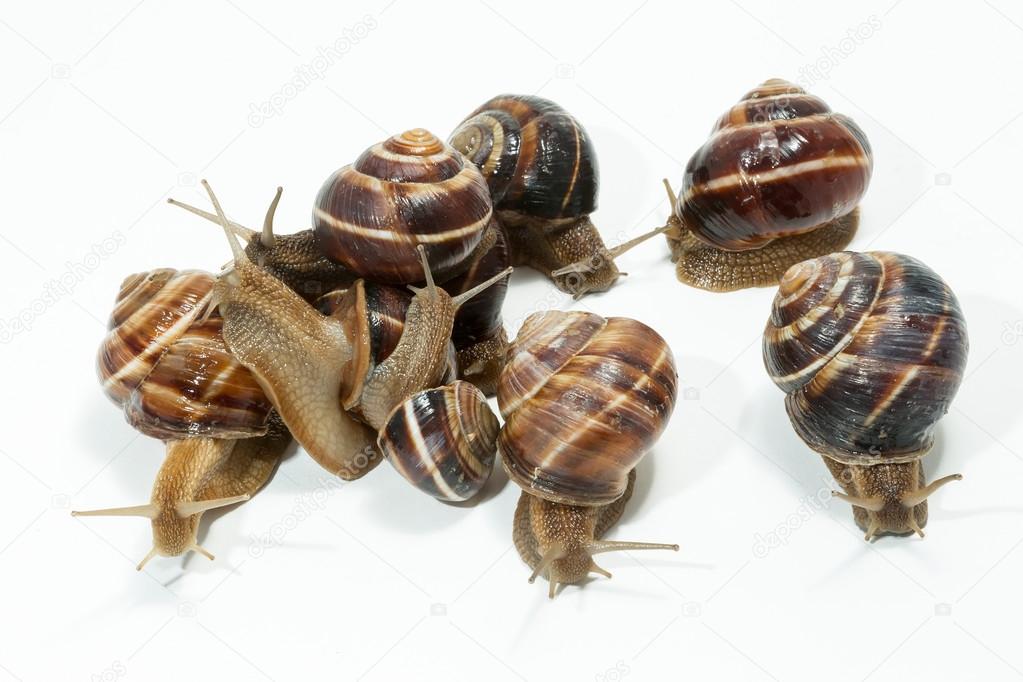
[167, 366]
[295, 259]
[541, 169]
[300, 356]
[777, 182]
[442, 440]
[870, 350]
[407, 191]
[583, 398]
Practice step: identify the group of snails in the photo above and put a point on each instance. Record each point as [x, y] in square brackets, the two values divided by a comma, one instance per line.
[377, 334]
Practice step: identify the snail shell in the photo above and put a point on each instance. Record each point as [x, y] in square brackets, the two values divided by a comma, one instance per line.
[777, 164]
[170, 371]
[443, 441]
[409, 189]
[537, 159]
[583, 398]
[870, 350]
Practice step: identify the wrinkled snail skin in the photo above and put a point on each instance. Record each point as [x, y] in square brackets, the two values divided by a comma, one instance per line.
[778, 181]
[478, 333]
[165, 362]
[443, 441]
[870, 349]
[410, 189]
[541, 168]
[300, 357]
[583, 398]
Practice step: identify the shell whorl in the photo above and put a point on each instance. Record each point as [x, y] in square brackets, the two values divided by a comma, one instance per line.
[870, 349]
[170, 371]
[443, 441]
[778, 163]
[537, 158]
[584, 398]
[409, 189]
[479, 318]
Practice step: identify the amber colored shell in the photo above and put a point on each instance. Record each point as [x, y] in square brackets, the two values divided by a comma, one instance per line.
[536, 157]
[870, 348]
[443, 441]
[409, 189]
[778, 163]
[170, 371]
[583, 398]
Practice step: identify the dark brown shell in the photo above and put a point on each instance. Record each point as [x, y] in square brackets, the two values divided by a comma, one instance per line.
[443, 441]
[170, 371]
[778, 163]
[407, 190]
[583, 399]
[870, 348]
[536, 157]
[479, 318]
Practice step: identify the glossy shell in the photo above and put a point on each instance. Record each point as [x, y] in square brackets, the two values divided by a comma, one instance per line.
[537, 159]
[777, 164]
[443, 441]
[479, 318]
[409, 189]
[870, 349]
[583, 398]
[171, 372]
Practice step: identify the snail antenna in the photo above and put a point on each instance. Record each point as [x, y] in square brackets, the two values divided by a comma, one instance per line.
[242, 231]
[601, 546]
[874, 504]
[267, 238]
[236, 248]
[915, 498]
[196, 548]
[190, 508]
[672, 197]
[430, 286]
[145, 559]
[146, 511]
[872, 529]
[914, 526]
[594, 568]
[466, 295]
[553, 553]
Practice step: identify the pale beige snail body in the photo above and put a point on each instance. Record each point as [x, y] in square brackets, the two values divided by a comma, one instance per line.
[870, 350]
[164, 361]
[778, 181]
[584, 398]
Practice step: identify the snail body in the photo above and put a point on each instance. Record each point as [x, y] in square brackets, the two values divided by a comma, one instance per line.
[583, 398]
[870, 349]
[778, 181]
[167, 366]
[541, 169]
[442, 440]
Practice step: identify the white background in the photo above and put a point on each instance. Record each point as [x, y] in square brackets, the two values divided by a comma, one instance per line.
[107, 111]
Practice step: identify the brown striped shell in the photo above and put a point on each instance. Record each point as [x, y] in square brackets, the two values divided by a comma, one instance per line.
[443, 441]
[171, 371]
[537, 159]
[373, 317]
[870, 349]
[779, 163]
[583, 398]
[409, 189]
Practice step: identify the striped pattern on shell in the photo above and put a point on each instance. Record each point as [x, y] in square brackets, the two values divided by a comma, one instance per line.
[870, 349]
[443, 441]
[777, 164]
[479, 318]
[583, 398]
[409, 189]
[171, 372]
[536, 157]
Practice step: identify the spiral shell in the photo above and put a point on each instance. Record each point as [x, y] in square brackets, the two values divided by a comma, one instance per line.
[409, 189]
[583, 399]
[479, 318]
[870, 349]
[537, 159]
[778, 163]
[170, 371]
[443, 441]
